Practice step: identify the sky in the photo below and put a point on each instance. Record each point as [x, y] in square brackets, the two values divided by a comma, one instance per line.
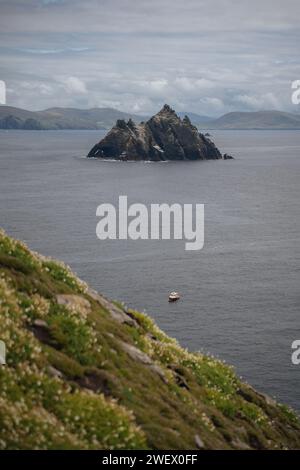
[204, 56]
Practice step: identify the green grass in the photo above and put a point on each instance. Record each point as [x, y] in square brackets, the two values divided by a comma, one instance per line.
[58, 272]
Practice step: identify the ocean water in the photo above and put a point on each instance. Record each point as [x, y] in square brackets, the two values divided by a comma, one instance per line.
[240, 294]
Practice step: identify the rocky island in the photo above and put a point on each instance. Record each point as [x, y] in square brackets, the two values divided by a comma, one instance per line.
[163, 137]
[83, 372]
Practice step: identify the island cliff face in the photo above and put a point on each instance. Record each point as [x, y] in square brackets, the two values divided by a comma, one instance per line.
[163, 137]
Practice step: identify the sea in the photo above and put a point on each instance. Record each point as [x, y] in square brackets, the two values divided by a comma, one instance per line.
[240, 294]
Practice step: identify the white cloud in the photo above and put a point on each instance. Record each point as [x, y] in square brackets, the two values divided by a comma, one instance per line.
[251, 101]
[193, 84]
[158, 85]
[143, 16]
[216, 104]
[155, 86]
[264, 101]
[73, 85]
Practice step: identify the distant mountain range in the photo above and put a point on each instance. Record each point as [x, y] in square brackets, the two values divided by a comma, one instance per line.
[256, 120]
[62, 118]
[196, 119]
[105, 118]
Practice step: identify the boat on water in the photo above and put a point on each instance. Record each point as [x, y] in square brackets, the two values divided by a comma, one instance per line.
[174, 296]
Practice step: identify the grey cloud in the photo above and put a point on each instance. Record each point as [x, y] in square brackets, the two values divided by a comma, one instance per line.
[206, 56]
[158, 15]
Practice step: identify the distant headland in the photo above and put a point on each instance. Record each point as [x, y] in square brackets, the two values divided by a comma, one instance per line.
[59, 118]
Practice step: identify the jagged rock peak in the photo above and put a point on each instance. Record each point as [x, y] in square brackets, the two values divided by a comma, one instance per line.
[166, 109]
[163, 137]
[186, 120]
[131, 124]
[121, 124]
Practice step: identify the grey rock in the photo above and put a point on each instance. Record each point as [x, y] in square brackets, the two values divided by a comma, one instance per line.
[158, 370]
[117, 314]
[198, 441]
[40, 323]
[163, 137]
[240, 445]
[135, 353]
[74, 301]
[270, 401]
[54, 372]
[138, 355]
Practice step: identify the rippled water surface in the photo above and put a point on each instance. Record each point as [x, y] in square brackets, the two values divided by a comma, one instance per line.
[240, 294]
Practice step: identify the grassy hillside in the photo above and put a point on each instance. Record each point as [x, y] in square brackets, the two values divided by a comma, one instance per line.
[84, 372]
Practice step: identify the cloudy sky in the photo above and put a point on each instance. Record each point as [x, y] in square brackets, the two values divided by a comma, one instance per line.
[205, 56]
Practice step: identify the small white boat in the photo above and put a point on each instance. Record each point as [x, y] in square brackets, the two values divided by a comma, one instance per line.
[174, 296]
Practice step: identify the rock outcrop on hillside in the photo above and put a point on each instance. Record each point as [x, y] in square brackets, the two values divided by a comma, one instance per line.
[163, 137]
[83, 372]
